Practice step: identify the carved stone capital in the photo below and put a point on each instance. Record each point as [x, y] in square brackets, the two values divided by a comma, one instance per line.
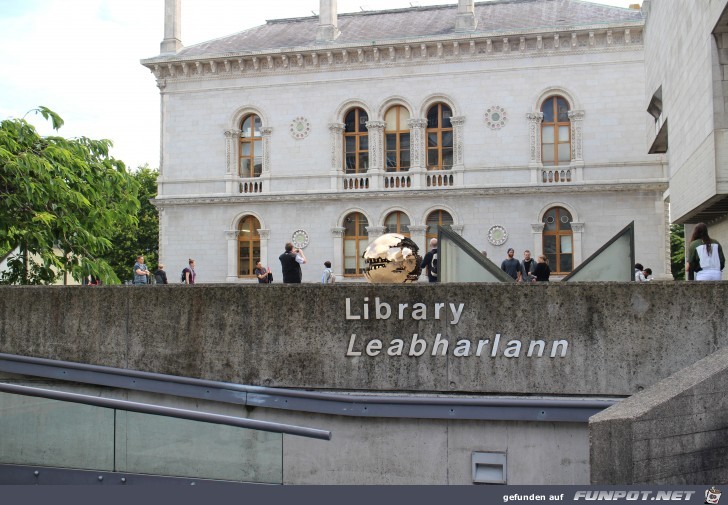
[375, 231]
[536, 227]
[232, 133]
[337, 127]
[264, 233]
[376, 125]
[457, 120]
[577, 227]
[417, 123]
[232, 234]
[576, 115]
[266, 131]
[338, 232]
[535, 117]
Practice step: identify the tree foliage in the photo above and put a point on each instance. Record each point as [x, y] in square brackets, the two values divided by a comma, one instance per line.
[60, 202]
[141, 237]
[677, 251]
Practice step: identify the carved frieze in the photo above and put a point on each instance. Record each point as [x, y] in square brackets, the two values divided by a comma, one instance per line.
[617, 38]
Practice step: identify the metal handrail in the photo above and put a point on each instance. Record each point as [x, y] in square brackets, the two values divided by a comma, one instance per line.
[340, 403]
[158, 410]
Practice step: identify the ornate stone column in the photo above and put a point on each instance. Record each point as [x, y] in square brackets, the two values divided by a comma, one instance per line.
[534, 134]
[337, 234]
[577, 229]
[417, 234]
[266, 133]
[336, 132]
[376, 144]
[417, 143]
[231, 151]
[537, 234]
[577, 119]
[232, 257]
[264, 235]
[457, 137]
[163, 219]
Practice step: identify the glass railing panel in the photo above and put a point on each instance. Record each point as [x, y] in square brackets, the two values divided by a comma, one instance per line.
[37, 431]
[167, 446]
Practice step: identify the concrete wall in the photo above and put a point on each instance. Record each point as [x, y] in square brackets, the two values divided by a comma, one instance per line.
[622, 337]
[671, 433]
[599, 339]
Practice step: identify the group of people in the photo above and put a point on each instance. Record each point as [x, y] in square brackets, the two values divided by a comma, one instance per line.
[704, 261]
[144, 276]
[291, 261]
[528, 269]
[642, 274]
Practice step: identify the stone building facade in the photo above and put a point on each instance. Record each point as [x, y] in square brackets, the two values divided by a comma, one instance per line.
[519, 123]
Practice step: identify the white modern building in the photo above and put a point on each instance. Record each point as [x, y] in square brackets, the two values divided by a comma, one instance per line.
[686, 51]
[519, 123]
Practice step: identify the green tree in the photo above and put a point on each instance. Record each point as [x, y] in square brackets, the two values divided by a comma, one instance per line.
[677, 251]
[141, 237]
[60, 202]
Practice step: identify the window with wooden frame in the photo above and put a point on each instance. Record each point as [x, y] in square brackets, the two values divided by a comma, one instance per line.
[555, 132]
[397, 139]
[356, 141]
[251, 147]
[397, 222]
[355, 243]
[439, 135]
[434, 220]
[558, 240]
[248, 245]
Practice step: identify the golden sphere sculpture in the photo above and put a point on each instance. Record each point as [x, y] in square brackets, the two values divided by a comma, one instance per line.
[392, 258]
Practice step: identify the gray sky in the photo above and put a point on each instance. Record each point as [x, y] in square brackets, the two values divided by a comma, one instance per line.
[81, 59]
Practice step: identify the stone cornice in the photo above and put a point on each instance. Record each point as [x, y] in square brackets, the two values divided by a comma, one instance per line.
[428, 50]
[407, 194]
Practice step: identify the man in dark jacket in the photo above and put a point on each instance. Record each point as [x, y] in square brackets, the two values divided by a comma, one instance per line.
[429, 262]
[291, 261]
[160, 276]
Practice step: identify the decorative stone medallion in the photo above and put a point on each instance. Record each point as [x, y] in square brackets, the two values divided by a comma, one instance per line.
[300, 128]
[299, 239]
[496, 117]
[497, 235]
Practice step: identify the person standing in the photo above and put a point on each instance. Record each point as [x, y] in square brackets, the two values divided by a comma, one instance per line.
[542, 271]
[705, 255]
[261, 273]
[528, 265]
[328, 275]
[512, 266]
[429, 262]
[291, 261]
[141, 272]
[639, 274]
[160, 276]
[189, 274]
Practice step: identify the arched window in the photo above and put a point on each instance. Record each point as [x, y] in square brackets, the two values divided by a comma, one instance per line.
[251, 147]
[558, 242]
[397, 137]
[555, 132]
[248, 246]
[434, 220]
[355, 243]
[356, 141]
[397, 222]
[439, 137]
